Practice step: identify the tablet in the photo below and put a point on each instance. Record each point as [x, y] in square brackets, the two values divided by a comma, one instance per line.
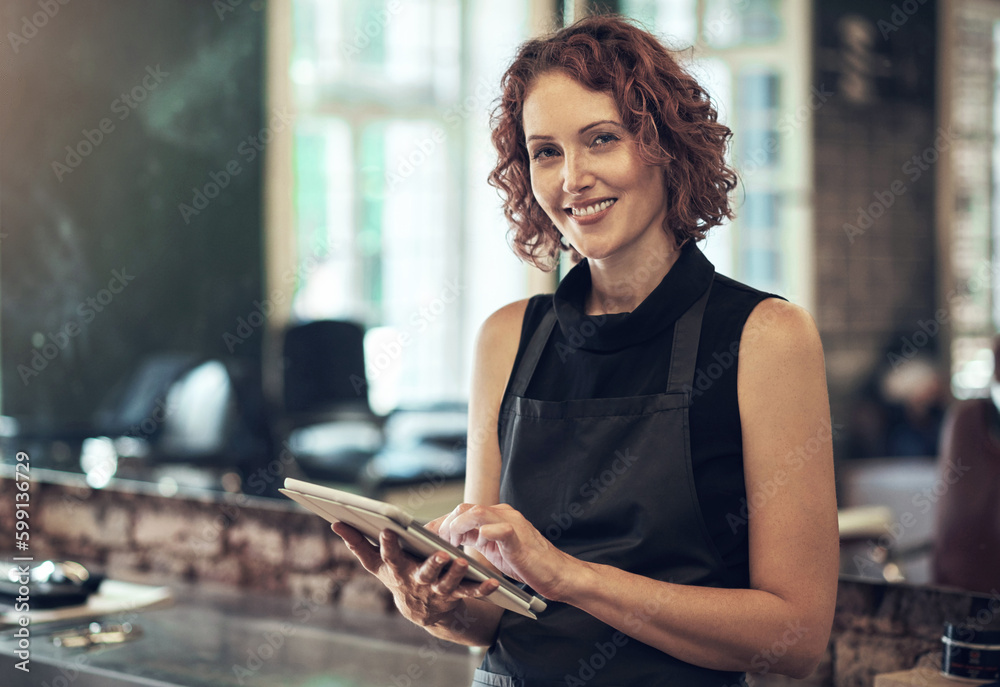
[371, 517]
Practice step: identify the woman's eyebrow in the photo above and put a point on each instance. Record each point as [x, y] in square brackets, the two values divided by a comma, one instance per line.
[581, 131]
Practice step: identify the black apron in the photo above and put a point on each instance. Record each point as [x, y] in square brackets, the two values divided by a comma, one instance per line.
[607, 480]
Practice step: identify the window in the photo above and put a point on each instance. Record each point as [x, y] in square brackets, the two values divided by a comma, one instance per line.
[969, 187]
[744, 54]
[395, 225]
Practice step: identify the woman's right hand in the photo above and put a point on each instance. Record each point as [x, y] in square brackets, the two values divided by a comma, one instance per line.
[425, 592]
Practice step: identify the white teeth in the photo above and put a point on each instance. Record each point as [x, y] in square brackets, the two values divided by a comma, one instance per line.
[592, 209]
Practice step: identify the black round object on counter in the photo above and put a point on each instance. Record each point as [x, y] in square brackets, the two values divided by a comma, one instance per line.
[970, 652]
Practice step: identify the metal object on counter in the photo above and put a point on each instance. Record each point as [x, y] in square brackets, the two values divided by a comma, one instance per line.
[971, 652]
[96, 634]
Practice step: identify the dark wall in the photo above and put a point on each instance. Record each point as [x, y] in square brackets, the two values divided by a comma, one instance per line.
[875, 225]
[100, 267]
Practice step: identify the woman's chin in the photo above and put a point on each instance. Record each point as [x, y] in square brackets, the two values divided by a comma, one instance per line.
[595, 250]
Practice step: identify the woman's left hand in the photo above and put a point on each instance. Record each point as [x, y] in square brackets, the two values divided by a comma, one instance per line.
[510, 543]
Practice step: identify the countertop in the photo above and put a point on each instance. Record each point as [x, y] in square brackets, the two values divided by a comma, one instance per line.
[215, 637]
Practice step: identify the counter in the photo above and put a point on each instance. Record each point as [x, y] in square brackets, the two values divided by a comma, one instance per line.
[215, 636]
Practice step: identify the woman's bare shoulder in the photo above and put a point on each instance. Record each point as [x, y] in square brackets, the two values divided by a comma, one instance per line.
[776, 322]
[500, 333]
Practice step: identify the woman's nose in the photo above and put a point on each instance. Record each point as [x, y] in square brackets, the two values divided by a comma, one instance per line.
[577, 174]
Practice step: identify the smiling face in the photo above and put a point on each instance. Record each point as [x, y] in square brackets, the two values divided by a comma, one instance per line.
[586, 172]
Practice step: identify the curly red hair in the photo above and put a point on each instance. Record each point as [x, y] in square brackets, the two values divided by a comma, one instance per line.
[669, 114]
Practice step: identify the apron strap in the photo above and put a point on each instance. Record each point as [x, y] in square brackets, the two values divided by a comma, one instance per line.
[683, 356]
[684, 353]
[532, 353]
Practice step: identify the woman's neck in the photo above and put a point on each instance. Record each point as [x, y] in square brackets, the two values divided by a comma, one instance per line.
[620, 283]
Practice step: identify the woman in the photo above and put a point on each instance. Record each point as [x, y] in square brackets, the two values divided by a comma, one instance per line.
[620, 427]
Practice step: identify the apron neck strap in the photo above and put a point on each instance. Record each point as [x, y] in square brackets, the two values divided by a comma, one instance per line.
[683, 356]
[532, 353]
[684, 353]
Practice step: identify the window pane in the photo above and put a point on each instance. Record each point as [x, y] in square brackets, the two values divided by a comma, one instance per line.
[760, 227]
[324, 217]
[675, 20]
[729, 23]
[420, 300]
[716, 77]
[392, 133]
[377, 46]
[757, 140]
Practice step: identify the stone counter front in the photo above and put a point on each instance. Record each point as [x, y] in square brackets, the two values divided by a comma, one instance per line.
[268, 546]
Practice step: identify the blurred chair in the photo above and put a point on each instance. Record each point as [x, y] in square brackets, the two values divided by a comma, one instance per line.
[181, 408]
[425, 444]
[967, 529]
[137, 407]
[326, 418]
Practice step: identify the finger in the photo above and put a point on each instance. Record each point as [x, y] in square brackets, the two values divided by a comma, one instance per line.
[392, 551]
[430, 570]
[449, 582]
[502, 533]
[435, 524]
[359, 545]
[464, 528]
[485, 588]
[444, 527]
[477, 590]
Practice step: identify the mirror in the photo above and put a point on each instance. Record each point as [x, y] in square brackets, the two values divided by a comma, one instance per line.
[130, 193]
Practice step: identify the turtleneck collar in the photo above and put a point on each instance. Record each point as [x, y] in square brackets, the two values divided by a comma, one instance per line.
[677, 291]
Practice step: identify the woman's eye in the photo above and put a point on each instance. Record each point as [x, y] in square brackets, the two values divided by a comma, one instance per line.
[543, 153]
[604, 139]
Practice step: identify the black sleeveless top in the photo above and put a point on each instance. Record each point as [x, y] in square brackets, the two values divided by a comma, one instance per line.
[628, 354]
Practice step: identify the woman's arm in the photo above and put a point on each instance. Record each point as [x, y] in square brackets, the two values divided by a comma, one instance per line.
[429, 593]
[782, 623]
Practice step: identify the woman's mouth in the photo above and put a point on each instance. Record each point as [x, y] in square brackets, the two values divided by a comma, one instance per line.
[588, 214]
